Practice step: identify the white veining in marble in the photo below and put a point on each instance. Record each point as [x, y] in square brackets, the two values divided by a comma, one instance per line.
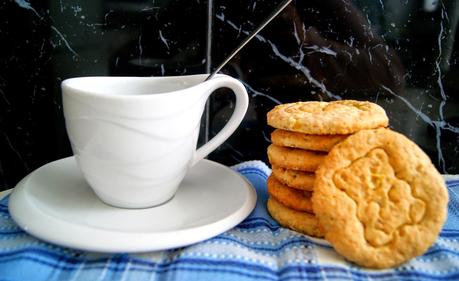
[26, 5]
[289, 60]
[436, 103]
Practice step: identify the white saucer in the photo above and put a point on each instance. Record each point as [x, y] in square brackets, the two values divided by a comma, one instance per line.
[55, 204]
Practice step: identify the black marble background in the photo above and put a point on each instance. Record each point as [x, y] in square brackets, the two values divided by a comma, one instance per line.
[402, 55]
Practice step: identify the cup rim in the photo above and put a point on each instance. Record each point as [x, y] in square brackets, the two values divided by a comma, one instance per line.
[69, 83]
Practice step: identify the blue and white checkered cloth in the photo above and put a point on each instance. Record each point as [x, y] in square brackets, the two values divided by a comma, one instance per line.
[256, 249]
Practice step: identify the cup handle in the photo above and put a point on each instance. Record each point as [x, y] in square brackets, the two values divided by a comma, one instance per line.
[242, 102]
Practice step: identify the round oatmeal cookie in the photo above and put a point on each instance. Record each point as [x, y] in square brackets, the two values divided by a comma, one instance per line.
[293, 178]
[379, 198]
[303, 222]
[294, 158]
[328, 118]
[293, 198]
[310, 142]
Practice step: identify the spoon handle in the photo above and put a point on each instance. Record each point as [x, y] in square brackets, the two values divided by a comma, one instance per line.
[246, 40]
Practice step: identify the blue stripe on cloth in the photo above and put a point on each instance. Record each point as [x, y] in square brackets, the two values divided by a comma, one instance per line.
[11, 232]
[452, 182]
[257, 249]
[441, 251]
[449, 235]
[270, 248]
[241, 269]
[453, 207]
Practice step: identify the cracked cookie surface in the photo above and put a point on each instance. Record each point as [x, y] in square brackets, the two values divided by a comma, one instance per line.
[293, 178]
[379, 199]
[327, 118]
[304, 141]
[299, 200]
[299, 221]
[294, 158]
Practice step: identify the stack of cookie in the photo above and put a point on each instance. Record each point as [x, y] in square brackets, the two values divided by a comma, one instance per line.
[376, 196]
[305, 133]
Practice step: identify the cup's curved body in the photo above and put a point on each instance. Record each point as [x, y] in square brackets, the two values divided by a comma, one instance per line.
[134, 138]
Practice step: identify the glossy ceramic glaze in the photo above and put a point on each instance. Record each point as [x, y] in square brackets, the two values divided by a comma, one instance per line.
[134, 138]
[54, 203]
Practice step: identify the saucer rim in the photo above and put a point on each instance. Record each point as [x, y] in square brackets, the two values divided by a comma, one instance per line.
[31, 220]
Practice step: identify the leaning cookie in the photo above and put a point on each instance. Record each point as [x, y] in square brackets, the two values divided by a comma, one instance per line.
[295, 199]
[299, 221]
[294, 158]
[328, 118]
[293, 178]
[305, 141]
[379, 199]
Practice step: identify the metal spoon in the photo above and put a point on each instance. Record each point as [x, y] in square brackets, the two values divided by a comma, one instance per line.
[259, 28]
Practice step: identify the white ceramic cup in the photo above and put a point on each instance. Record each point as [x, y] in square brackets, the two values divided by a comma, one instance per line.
[134, 138]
